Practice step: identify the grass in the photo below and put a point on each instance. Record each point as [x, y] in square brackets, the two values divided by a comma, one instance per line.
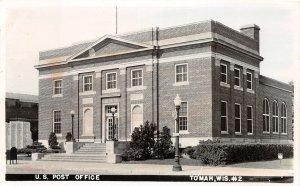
[183, 161]
[286, 164]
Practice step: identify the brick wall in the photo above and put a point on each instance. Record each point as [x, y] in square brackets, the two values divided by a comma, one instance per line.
[203, 92]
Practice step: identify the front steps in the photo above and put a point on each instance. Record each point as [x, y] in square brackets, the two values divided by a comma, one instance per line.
[89, 152]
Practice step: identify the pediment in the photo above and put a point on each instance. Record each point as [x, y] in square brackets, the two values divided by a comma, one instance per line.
[108, 45]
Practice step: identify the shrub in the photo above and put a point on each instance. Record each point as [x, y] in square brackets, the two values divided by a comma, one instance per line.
[189, 151]
[142, 141]
[163, 147]
[216, 153]
[52, 141]
[143, 145]
[132, 154]
[69, 137]
[35, 147]
[53, 151]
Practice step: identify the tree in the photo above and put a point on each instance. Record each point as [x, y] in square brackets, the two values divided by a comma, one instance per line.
[163, 147]
[142, 140]
[52, 141]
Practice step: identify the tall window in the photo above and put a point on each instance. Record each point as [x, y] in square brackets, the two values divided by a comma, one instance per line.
[111, 80]
[136, 117]
[249, 120]
[183, 116]
[136, 78]
[87, 83]
[249, 80]
[237, 111]
[275, 124]
[57, 121]
[237, 76]
[223, 69]
[181, 72]
[57, 86]
[224, 116]
[283, 118]
[266, 116]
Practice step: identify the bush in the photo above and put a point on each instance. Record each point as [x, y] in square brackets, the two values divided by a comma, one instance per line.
[53, 151]
[189, 151]
[143, 145]
[216, 153]
[142, 142]
[52, 141]
[163, 147]
[69, 137]
[132, 154]
[35, 147]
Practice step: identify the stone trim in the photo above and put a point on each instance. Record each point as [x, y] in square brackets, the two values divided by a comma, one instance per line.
[224, 84]
[149, 62]
[87, 93]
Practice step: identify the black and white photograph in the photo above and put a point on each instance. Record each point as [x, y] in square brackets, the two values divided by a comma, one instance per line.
[150, 92]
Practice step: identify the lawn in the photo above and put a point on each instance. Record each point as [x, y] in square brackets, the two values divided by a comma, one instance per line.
[183, 161]
[286, 164]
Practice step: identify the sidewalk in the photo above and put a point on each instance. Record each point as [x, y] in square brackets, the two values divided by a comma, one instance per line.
[54, 167]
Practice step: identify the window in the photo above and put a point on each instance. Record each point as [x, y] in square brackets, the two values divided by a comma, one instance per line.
[87, 83]
[275, 117]
[266, 116]
[57, 87]
[249, 80]
[183, 116]
[249, 120]
[88, 122]
[111, 80]
[181, 73]
[237, 111]
[237, 77]
[57, 121]
[223, 70]
[136, 117]
[108, 109]
[109, 122]
[223, 116]
[283, 119]
[136, 78]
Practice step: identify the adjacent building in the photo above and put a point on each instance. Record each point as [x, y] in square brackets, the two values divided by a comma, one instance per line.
[214, 69]
[21, 119]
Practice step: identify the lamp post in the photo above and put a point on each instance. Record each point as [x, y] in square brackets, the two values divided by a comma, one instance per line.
[113, 111]
[72, 114]
[177, 166]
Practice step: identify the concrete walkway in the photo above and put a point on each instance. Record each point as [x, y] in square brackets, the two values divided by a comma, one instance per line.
[54, 167]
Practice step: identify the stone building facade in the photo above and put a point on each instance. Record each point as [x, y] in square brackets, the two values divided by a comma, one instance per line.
[214, 69]
[22, 108]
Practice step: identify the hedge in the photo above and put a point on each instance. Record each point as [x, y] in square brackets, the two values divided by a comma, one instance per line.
[222, 153]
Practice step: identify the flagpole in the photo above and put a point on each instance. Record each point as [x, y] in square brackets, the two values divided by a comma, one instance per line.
[116, 20]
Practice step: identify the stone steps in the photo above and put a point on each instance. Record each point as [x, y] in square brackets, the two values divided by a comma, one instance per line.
[89, 152]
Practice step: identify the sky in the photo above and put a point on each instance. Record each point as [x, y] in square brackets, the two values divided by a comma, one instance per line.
[30, 28]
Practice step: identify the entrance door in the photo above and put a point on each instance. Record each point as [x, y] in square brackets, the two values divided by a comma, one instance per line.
[109, 123]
